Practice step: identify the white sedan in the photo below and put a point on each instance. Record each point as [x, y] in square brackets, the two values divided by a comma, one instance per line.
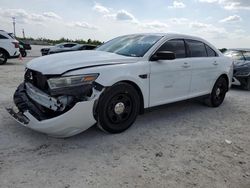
[65, 94]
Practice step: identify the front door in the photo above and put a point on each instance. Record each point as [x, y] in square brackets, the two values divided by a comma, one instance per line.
[170, 79]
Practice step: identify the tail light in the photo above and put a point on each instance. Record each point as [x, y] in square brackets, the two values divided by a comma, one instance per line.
[16, 44]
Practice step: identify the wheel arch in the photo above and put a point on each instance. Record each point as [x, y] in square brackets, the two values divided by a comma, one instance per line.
[227, 79]
[137, 88]
[2, 49]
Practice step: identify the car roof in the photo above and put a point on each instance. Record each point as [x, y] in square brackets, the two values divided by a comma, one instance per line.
[3, 32]
[174, 35]
[67, 43]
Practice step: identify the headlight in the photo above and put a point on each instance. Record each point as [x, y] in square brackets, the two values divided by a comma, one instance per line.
[243, 73]
[71, 81]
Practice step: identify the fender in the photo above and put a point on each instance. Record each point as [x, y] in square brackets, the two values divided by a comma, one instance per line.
[2, 49]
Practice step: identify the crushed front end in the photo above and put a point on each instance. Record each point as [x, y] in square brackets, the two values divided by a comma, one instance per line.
[56, 105]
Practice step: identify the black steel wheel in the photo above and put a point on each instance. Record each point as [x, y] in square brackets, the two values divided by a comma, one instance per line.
[218, 94]
[3, 57]
[118, 108]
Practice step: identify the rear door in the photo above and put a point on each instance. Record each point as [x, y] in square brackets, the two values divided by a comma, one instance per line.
[204, 64]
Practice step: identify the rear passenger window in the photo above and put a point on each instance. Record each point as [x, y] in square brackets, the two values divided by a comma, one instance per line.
[3, 37]
[176, 46]
[196, 48]
[210, 52]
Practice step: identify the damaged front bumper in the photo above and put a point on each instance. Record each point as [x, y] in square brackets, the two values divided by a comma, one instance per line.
[71, 122]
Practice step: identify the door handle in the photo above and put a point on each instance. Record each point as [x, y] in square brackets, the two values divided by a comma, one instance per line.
[186, 65]
[215, 63]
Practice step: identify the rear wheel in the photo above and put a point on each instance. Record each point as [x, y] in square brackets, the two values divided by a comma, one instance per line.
[218, 94]
[23, 53]
[3, 57]
[118, 108]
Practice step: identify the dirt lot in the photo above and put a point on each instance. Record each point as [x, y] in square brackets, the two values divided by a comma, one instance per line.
[177, 145]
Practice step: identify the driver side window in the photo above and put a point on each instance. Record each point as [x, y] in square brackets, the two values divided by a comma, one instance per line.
[176, 46]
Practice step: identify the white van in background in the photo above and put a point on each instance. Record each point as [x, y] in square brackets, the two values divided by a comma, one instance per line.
[9, 47]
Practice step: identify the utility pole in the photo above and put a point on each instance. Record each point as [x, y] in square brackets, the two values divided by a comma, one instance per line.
[23, 34]
[14, 25]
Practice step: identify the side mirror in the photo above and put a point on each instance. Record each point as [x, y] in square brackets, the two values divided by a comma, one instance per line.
[163, 55]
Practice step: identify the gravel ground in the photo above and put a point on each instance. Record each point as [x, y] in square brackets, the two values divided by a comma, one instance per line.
[184, 144]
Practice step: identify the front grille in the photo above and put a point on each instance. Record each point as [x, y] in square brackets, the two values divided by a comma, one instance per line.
[37, 79]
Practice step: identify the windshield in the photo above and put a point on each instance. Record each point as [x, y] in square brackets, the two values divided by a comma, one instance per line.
[130, 45]
[11, 35]
[247, 55]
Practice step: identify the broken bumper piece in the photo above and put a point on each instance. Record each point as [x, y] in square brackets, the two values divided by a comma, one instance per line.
[71, 122]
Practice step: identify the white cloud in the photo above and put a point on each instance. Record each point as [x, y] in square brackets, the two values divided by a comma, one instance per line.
[179, 21]
[154, 25]
[37, 17]
[101, 9]
[120, 15]
[209, 1]
[51, 15]
[83, 25]
[209, 30]
[124, 15]
[231, 19]
[177, 4]
[231, 4]
[24, 17]
[21, 15]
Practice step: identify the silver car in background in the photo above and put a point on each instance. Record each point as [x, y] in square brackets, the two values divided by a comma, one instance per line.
[241, 58]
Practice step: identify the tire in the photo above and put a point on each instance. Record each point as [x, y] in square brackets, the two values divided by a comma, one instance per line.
[3, 57]
[246, 85]
[23, 53]
[218, 94]
[118, 108]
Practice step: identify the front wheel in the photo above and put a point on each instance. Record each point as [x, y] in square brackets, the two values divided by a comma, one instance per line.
[3, 57]
[118, 108]
[218, 94]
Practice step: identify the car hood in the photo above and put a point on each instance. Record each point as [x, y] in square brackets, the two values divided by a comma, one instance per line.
[245, 64]
[63, 62]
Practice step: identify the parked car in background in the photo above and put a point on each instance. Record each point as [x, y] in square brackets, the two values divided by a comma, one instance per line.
[9, 47]
[77, 47]
[65, 94]
[241, 58]
[23, 47]
[57, 47]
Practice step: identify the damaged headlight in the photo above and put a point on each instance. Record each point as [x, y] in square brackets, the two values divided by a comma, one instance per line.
[71, 81]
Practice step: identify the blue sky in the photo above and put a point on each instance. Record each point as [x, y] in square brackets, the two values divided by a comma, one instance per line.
[222, 22]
